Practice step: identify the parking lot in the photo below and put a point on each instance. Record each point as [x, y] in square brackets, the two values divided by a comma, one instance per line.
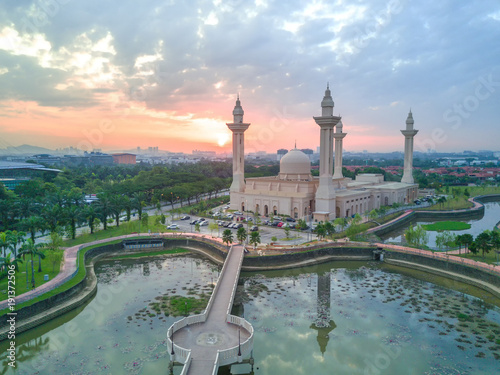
[266, 232]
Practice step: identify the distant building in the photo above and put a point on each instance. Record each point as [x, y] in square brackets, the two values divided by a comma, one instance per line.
[281, 152]
[98, 158]
[124, 158]
[11, 183]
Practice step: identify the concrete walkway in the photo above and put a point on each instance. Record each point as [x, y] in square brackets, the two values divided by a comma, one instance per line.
[69, 266]
[204, 339]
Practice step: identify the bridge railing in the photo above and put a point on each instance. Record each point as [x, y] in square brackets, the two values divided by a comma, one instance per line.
[214, 292]
[233, 292]
[181, 354]
[216, 364]
[187, 364]
[228, 356]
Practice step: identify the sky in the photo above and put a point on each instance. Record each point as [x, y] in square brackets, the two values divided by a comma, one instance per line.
[118, 74]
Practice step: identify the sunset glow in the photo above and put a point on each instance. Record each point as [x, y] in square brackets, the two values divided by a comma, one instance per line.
[171, 76]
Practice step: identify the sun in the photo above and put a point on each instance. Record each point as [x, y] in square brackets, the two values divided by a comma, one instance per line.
[222, 139]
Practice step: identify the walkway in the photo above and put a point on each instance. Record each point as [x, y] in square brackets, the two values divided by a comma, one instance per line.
[70, 265]
[214, 342]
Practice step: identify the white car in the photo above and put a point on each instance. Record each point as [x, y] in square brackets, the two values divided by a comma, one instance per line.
[204, 223]
[173, 226]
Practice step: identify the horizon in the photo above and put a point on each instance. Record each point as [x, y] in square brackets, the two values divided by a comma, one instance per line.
[73, 76]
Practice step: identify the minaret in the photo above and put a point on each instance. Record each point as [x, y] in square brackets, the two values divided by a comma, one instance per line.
[238, 128]
[325, 195]
[409, 133]
[339, 136]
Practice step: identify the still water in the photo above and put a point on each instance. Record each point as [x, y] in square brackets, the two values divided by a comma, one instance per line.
[487, 222]
[336, 318]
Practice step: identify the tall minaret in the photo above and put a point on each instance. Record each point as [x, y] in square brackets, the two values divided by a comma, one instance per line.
[339, 136]
[238, 128]
[325, 195]
[409, 133]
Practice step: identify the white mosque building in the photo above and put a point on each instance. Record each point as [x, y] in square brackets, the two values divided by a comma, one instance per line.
[296, 193]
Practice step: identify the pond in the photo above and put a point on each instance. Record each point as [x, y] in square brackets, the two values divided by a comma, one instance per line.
[339, 317]
[488, 221]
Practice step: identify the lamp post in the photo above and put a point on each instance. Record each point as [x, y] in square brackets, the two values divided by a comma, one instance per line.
[186, 307]
[239, 343]
[172, 353]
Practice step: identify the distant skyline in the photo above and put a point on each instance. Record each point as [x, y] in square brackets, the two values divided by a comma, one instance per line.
[120, 74]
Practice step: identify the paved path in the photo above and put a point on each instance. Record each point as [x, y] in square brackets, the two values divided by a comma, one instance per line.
[69, 266]
[215, 333]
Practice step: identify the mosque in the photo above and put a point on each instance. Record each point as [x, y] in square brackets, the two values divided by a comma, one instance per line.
[296, 193]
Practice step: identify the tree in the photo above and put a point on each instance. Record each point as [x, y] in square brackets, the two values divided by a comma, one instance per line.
[197, 227]
[320, 231]
[90, 215]
[255, 238]
[373, 214]
[145, 219]
[104, 208]
[32, 224]
[73, 215]
[4, 242]
[287, 232]
[416, 236]
[16, 238]
[54, 258]
[227, 237]
[445, 240]
[483, 242]
[212, 226]
[117, 206]
[341, 222]
[441, 200]
[301, 224]
[6, 262]
[467, 239]
[32, 249]
[241, 234]
[329, 229]
[356, 220]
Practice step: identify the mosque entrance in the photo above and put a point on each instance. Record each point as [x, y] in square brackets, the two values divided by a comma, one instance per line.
[266, 210]
[257, 209]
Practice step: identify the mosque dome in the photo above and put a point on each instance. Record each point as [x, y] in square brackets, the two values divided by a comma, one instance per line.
[295, 162]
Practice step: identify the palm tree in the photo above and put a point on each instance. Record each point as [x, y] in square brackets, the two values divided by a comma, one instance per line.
[16, 238]
[6, 262]
[138, 202]
[255, 238]
[241, 234]
[4, 242]
[227, 237]
[33, 224]
[52, 214]
[73, 215]
[117, 205]
[30, 248]
[329, 229]
[104, 207]
[483, 242]
[90, 214]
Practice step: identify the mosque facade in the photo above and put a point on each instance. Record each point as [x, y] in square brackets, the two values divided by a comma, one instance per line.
[296, 193]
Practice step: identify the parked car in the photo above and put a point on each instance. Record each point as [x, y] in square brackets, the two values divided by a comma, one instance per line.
[238, 226]
[290, 219]
[194, 222]
[173, 226]
[204, 223]
[186, 217]
[255, 228]
[280, 224]
[238, 213]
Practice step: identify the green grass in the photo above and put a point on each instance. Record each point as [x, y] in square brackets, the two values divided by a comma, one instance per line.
[489, 258]
[124, 228]
[150, 253]
[75, 280]
[456, 203]
[446, 225]
[20, 285]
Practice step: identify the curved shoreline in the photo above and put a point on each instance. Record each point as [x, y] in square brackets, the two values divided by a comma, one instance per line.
[214, 250]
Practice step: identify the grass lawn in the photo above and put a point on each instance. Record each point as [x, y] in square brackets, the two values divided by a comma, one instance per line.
[457, 203]
[489, 258]
[75, 280]
[47, 269]
[151, 253]
[446, 225]
[124, 228]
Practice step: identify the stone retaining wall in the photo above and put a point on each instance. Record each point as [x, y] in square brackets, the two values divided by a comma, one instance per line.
[446, 266]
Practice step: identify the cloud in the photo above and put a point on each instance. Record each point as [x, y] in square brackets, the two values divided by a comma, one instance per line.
[182, 57]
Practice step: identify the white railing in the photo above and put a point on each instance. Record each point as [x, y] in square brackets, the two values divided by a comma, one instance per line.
[214, 292]
[185, 369]
[216, 364]
[233, 292]
[228, 356]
